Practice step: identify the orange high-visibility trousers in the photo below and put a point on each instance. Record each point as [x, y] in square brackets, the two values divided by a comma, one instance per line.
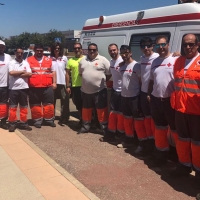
[120, 122]
[140, 129]
[129, 126]
[48, 111]
[112, 121]
[195, 155]
[3, 110]
[12, 114]
[161, 140]
[36, 112]
[148, 127]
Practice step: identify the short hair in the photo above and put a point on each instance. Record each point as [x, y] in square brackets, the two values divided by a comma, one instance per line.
[125, 48]
[93, 44]
[38, 46]
[113, 44]
[196, 38]
[160, 37]
[18, 48]
[53, 47]
[145, 40]
[78, 44]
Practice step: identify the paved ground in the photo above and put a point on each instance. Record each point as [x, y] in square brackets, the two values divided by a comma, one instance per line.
[110, 173]
[27, 173]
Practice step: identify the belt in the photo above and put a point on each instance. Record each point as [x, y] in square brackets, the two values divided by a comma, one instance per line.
[161, 98]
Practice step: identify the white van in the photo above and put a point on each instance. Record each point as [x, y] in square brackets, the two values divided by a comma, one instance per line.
[128, 28]
[28, 53]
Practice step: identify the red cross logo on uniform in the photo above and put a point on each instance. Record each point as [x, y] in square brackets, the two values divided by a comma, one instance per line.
[24, 67]
[169, 65]
[96, 64]
[117, 68]
[130, 70]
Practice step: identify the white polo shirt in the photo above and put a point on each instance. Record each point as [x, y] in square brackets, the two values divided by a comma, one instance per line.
[94, 74]
[17, 82]
[162, 76]
[145, 63]
[4, 61]
[116, 76]
[59, 65]
[130, 79]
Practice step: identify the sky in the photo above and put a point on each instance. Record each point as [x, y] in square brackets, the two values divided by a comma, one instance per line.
[18, 16]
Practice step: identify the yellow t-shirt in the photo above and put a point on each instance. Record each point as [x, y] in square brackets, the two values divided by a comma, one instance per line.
[72, 65]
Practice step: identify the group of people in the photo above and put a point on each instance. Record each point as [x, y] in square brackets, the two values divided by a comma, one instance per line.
[156, 99]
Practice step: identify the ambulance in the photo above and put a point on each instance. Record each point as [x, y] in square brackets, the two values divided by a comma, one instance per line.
[128, 28]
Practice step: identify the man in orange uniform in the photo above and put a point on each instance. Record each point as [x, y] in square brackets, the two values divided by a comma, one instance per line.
[186, 102]
[41, 84]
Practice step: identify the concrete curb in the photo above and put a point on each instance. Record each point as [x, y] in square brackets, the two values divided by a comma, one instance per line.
[61, 170]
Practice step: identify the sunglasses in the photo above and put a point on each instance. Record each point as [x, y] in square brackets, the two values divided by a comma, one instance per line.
[188, 44]
[92, 50]
[161, 44]
[144, 46]
[78, 48]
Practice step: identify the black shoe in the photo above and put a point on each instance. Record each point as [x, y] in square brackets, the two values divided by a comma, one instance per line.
[38, 125]
[109, 139]
[4, 125]
[27, 128]
[158, 162]
[12, 128]
[82, 130]
[53, 124]
[180, 171]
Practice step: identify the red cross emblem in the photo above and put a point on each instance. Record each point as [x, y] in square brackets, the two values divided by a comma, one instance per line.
[169, 65]
[24, 67]
[129, 70]
[96, 64]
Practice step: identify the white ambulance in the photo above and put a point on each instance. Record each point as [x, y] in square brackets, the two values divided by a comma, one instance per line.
[128, 28]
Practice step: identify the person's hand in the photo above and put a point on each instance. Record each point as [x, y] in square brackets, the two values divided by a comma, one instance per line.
[68, 90]
[148, 98]
[54, 86]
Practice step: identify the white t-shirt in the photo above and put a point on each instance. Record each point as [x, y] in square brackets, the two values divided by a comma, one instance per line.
[162, 75]
[116, 76]
[59, 65]
[17, 82]
[130, 79]
[145, 63]
[4, 61]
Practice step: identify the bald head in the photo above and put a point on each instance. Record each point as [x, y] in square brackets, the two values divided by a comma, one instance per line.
[190, 44]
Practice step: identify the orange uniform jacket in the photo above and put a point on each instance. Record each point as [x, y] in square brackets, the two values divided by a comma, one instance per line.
[41, 75]
[186, 98]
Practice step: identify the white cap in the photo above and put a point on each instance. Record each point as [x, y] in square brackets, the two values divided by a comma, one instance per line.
[2, 42]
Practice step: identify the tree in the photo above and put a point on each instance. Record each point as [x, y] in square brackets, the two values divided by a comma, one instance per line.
[49, 37]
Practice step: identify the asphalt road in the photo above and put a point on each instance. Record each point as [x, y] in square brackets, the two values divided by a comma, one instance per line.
[109, 172]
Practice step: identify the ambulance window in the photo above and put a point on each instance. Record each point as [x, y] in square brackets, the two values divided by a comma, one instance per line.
[135, 43]
[182, 52]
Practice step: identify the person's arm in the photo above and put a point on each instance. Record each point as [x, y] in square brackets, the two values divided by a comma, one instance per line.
[26, 74]
[107, 69]
[17, 73]
[150, 89]
[54, 85]
[67, 81]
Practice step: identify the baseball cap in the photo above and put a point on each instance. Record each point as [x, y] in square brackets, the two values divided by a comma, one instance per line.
[2, 42]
